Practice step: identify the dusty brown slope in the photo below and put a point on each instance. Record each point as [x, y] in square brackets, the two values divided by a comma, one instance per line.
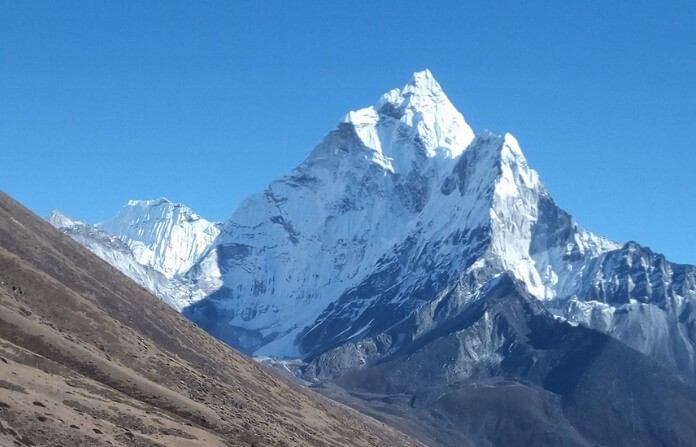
[87, 357]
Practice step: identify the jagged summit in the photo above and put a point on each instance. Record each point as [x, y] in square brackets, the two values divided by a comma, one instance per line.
[60, 220]
[421, 93]
[419, 112]
[425, 79]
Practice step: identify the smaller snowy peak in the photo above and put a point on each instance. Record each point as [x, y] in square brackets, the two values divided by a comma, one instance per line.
[60, 220]
[167, 236]
[177, 292]
[136, 213]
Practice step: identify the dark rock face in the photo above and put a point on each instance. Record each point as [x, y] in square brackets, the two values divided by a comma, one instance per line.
[413, 191]
[640, 298]
[506, 372]
[637, 273]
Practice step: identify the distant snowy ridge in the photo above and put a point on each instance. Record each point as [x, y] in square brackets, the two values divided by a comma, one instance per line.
[169, 237]
[177, 292]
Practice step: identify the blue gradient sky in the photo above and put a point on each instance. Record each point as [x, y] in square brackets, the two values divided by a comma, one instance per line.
[206, 102]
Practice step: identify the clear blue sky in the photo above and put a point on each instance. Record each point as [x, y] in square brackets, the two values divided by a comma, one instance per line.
[206, 102]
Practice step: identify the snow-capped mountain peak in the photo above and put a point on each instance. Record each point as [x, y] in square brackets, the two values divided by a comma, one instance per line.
[419, 113]
[167, 236]
[177, 292]
[60, 220]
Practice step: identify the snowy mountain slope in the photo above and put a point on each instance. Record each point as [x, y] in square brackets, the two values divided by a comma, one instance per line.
[169, 237]
[385, 213]
[287, 253]
[178, 293]
[491, 215]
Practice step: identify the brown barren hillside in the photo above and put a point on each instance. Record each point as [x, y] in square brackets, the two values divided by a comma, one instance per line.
[87, 357]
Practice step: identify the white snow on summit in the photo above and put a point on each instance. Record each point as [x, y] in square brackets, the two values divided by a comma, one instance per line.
[419, 109]
[60, 220]
[169, 237]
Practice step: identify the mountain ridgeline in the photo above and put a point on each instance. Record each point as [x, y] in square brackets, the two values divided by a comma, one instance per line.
[409, 248]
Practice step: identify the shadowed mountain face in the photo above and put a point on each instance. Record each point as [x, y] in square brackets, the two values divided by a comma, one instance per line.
[506, 372]
[87, 357]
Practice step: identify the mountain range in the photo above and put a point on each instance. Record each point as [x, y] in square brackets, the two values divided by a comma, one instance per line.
[408, 248]
[89, 358]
